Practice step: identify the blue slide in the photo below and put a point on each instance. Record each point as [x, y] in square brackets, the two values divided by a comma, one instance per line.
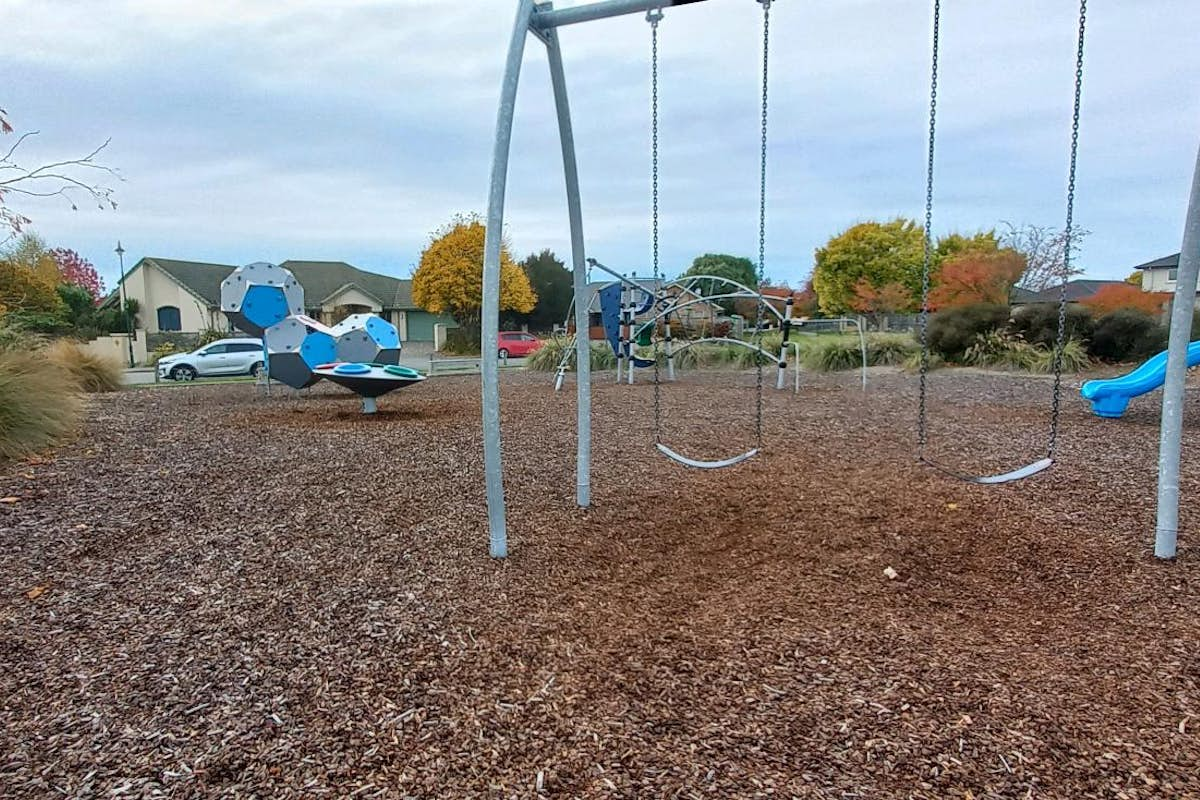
[1110, 397]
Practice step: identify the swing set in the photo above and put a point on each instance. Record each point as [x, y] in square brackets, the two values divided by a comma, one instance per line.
[542, 20]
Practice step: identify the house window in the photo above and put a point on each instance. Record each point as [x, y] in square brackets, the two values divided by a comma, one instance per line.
[1172, 274]
[168, 319]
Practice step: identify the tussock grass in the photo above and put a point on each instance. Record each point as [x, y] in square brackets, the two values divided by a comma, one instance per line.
[40, 403]
[547, 357]
[93, 373]
[835, 353]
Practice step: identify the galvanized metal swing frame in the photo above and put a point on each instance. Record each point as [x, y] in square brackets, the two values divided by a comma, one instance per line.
[541, 20]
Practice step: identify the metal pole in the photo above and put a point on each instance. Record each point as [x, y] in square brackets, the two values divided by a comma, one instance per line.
[1182, 307]
[547, 20]
[120, 251]
[266, 364]
[490, 316]
[583, 343]
[629, 352]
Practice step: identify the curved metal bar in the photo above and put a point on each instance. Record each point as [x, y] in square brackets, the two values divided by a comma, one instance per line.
[674, 308]
[699, 464]
[726, 340]
[690, 279]
[1003, 477]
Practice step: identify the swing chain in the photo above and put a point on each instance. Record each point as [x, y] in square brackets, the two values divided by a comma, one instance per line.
[923, 323]
[654, 16]
[762, 222]
[1068, 233]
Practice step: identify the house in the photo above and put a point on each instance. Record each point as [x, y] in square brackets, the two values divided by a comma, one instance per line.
[1077, 291]
[1021, 296]
[695, 316]
[179, 299]
[1159, 275]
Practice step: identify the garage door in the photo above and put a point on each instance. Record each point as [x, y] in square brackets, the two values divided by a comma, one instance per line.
[420, 325]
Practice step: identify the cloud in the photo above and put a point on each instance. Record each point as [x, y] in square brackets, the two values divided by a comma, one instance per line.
[303, 129]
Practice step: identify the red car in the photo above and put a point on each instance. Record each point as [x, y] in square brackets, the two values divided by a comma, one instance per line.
[517, 344]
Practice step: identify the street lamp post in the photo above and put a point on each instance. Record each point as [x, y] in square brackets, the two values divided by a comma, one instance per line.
[120, 251]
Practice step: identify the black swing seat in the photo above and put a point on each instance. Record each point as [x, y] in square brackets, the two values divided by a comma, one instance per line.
[990, 480]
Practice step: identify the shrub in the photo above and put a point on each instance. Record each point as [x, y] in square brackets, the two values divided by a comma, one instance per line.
[39, 403]
[163, 350]
[1116, 296]
[547, 358]
[912, 362]
[208, 336]
[1074, 358]
[1038, 323]
[461, 342]
[93, 373]
[952, 331]
[889, 349]
[831, 354]
[1000, 349]
[40, 322]
[15, 337]
[1127, 335]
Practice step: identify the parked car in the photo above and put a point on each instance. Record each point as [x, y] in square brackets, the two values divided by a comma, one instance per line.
[222, 357]
[518, 344]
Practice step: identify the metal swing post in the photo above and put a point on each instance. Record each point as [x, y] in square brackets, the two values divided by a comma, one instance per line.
[1182, 307]
[542, 20]
[490, 314]
[583, 344]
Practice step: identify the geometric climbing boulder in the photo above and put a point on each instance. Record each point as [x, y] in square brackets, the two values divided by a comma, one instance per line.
[259, 295]
[295, 346]
[367, 339]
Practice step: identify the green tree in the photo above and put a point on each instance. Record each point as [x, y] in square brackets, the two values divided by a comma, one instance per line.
[882, 253]
[551, 281]
[953, 245]
[886, 258]
[721, 265]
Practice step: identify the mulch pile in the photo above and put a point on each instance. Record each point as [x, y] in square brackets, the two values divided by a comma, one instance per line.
[215, 594]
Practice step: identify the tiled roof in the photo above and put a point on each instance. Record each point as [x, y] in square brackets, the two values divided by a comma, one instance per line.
[1166, 262]
[320, 279]
[1076, 290]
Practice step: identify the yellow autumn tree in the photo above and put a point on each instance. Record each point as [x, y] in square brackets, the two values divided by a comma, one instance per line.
[449, 277]
[28, 275]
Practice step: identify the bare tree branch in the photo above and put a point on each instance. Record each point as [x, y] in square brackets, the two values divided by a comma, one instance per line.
[1045, 253]
[54, 179]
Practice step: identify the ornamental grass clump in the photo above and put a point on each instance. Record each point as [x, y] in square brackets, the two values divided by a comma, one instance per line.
[40, 403]
[93, 373]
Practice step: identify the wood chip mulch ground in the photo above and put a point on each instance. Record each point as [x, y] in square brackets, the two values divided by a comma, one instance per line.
[215, 594]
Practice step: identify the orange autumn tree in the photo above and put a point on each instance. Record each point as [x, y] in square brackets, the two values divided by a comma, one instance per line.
[977, 277]
[1125, 295]
[876, 301]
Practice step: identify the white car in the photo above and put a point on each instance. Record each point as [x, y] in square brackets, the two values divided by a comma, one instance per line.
[222, 357]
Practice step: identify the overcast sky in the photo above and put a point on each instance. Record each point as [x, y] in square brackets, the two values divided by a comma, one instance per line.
[348, 130]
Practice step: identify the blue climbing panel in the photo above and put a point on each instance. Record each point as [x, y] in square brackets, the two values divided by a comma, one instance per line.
[610, 313]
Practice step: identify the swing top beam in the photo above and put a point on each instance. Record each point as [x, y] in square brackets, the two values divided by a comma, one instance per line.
[548, 19]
